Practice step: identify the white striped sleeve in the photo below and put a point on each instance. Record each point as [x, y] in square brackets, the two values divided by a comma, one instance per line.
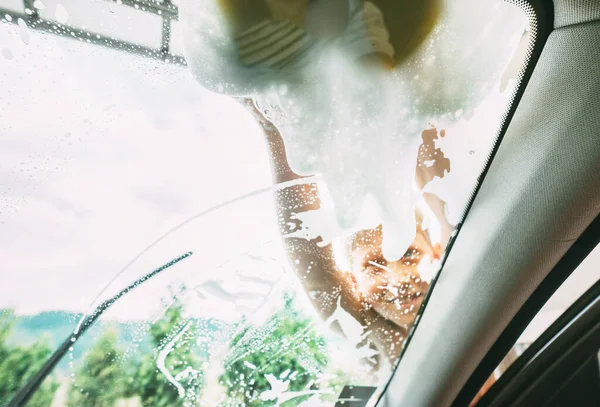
[273, 44]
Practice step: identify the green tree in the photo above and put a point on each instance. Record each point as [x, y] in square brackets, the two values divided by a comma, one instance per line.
[169, 377]
[19, 363]
[101, 380]
[286, 348]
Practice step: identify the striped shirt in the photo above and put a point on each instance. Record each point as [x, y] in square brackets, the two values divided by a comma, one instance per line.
[284, 45]
[274, 44]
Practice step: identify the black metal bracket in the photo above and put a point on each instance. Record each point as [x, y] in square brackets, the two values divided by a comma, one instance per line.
[165, 9]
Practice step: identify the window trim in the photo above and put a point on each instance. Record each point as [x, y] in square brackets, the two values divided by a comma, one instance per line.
[580, 249]
[543, 16]
[568, 330]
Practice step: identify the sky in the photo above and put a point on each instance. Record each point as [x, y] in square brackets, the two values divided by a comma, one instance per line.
[104, 152]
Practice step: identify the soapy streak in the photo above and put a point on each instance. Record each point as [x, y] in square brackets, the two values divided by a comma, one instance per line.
[163, 311]
[322, 223]
[276, 187]
[353, 330]
[259, 258]
[186, 372]
[279, 391]
[214, 288]
[381, 266]
[162, 356]
[342, 117]
[297, 338]
[353, 147]
[245, 346]
[256, 280]
[221, 293]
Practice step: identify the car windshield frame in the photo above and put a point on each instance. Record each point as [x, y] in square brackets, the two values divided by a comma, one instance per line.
[168, 12]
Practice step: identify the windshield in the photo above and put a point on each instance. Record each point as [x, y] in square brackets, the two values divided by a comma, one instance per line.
[293, 215]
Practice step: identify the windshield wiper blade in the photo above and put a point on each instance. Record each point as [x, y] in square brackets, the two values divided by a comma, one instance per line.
[24, 394]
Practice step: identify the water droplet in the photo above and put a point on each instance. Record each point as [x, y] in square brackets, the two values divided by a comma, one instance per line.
[8, 17]
[61, 14]
[39, 5]
[6, 53]
[23, 31]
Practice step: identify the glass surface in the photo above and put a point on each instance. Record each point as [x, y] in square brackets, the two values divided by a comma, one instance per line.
[106, 18]
[13, 5]
[582, 278]
[104, 153]
[176, 38]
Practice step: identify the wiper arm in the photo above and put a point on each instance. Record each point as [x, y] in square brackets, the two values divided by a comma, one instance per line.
[24, 394]
[20, 399]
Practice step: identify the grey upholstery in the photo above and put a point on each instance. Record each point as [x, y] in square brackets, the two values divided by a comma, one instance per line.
[542, 191]
[569, 12]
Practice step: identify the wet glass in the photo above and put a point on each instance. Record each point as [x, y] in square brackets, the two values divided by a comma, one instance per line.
[115, 162]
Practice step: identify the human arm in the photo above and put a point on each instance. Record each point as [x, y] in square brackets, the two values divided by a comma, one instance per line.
[313, 264]
[324, 282]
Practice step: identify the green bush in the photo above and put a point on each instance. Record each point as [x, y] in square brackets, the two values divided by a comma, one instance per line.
[19, 363]
[286, 348]
[149, 383]
[100, 382]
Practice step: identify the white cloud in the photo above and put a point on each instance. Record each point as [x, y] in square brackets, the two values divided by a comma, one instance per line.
[102, 153]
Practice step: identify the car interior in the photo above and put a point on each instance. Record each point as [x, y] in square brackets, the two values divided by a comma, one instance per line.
[520, 258]
[512, 316]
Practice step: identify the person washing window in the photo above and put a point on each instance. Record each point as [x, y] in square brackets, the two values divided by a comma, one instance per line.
[384, 296]
[252, 48]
